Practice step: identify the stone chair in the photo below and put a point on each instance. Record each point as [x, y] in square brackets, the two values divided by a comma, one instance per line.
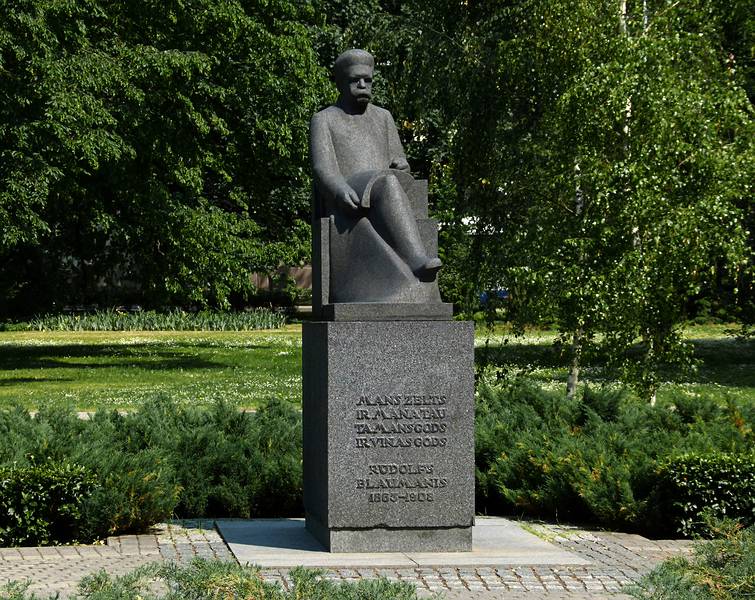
[358, 276]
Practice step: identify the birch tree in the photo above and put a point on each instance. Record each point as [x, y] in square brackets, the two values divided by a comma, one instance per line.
[663, 136]
[605, 153]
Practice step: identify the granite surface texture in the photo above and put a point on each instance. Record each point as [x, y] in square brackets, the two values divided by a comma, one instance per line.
[378, 311]
[372, 240]
[389, 431]
[447, 539]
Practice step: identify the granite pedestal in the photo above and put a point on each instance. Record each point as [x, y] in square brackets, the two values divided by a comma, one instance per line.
[389, 435]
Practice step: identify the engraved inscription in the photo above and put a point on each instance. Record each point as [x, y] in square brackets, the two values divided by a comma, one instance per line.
[398, 400]
[405, 497]
[401, 421]
[401, 469]
[401, 482]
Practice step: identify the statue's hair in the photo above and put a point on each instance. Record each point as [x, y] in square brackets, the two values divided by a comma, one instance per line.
[352, 57]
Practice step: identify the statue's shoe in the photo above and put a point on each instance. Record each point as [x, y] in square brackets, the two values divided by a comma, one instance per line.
[428, 269]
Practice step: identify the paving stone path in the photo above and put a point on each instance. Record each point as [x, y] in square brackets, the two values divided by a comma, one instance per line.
[615, 560]
[59, 569]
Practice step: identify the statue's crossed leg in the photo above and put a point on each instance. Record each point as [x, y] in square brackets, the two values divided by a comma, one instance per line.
[391, 215]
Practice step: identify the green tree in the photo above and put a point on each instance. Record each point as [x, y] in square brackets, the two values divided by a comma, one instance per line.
[602, 154]
[163, 143]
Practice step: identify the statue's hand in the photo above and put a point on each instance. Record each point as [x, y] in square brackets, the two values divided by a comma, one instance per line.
[400, 164]
[347, 199]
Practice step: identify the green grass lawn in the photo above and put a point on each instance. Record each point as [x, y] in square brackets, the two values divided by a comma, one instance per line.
[92, 370]
[726, 370]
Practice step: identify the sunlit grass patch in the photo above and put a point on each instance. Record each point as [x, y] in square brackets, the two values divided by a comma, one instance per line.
[90, 370]
[726, 369]
[124, 370]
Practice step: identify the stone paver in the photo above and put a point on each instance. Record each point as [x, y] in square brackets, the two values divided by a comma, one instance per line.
[59, 569]
[613, 560]
[285, 543]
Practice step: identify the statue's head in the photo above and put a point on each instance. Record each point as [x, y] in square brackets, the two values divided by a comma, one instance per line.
[353, 74]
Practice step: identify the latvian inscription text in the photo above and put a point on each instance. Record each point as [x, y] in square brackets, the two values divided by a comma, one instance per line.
[401, 421]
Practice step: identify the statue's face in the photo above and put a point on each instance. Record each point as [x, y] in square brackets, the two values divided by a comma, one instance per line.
[355, 84]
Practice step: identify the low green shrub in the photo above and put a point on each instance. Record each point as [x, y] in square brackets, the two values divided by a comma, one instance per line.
[228, 463]
[604, 458]
[43, 503]
[278, 446]
[164, 460]
[134, 492]
[721, 484]
[211, 580]
[722, 569]
[173, 320]
[214, 579]
[134, 487]
[16, 590]
[595, 458]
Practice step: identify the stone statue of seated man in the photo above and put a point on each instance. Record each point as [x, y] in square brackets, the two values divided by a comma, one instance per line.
[359, 165]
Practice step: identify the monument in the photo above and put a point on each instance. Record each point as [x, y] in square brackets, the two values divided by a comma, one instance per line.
[388, 380]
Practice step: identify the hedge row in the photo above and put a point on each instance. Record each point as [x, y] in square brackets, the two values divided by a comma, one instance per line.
[119, 473]
[609, 459]
[149, 320]
[603, 458]
[720, 484]
[40, 504]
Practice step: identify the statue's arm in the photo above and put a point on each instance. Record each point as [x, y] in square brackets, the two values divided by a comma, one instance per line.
[328, 179]
[398, 157]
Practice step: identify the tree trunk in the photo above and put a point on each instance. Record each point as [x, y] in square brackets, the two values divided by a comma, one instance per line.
[576, 345]
[650, 355]
[579, 201]
[576, 356]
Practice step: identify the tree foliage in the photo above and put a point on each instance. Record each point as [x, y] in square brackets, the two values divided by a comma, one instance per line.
[636, 170]
[603, 154]
[595, 158]
[163, 143]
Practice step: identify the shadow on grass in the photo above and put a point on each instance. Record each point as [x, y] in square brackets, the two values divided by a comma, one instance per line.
[20, 380]
[724, 361]
[521, 356]
[144, 356]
